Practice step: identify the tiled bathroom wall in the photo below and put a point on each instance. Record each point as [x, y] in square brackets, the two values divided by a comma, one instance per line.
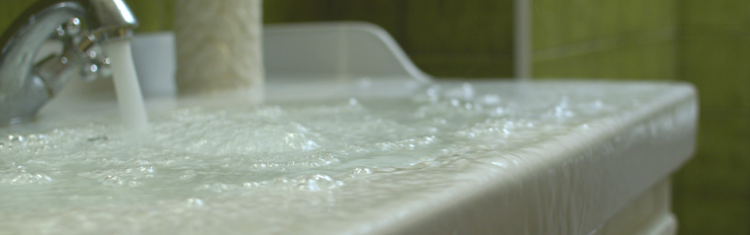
[154, 15]
[714, 189]
[605, 39]
[706, 43]
[9, 10]
[468, 38]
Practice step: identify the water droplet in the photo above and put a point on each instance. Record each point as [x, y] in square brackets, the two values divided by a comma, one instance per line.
[194, 202]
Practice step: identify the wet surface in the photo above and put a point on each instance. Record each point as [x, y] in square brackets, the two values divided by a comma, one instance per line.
[286, 167]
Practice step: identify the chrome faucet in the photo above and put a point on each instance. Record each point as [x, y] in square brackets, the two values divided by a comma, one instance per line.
[81, 26]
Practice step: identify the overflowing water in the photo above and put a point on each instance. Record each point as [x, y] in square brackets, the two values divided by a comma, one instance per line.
[129, 98]
[284, 167]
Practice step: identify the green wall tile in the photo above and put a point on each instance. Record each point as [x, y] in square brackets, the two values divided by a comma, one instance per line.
[560, 23]
[445, 37]
[711, 49]
[631, 15]
[149, 14]
[549, 69]
[580, 18]
[712, 214]
[388, 14]
[638, 15]
[628, 39]
[478, 26]
[610, 63]
[606, 20]
[725, 15]
[715, 52]
[653, 61]
[659, 60]
[10, 10]
[501, 27]
[285, 11]
[721, 163]
[548, 24]
[575, 66]
[718, 66]
[661, 13]
[465, 65]
[586, 66]
[153, 15]
[646, 61]
[630, 63]
[167, 15]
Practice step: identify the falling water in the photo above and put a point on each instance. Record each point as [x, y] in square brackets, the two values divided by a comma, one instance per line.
[129, 98]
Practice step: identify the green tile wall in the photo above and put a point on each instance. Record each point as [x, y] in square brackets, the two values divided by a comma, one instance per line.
[154, 15]
[460, 38]
[9, 10]
[467, 38]
[714, 189]
[706, 43]
[470, 38]
[613, 39]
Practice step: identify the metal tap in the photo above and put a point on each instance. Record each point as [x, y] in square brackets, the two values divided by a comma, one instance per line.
[81, 26]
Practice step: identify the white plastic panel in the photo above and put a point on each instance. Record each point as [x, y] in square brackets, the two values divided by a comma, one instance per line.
[317, 51]
[335, 50]
[156, 63]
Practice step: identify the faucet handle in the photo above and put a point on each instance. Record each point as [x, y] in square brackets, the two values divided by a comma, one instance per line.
[73, 27]
[95, 64]
[81, 48]
[25, 84]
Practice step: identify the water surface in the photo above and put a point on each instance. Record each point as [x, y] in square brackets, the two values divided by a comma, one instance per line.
[285, 167]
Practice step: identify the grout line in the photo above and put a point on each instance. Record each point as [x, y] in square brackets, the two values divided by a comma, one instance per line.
[679, 47]
[604, 44]
[401, 27]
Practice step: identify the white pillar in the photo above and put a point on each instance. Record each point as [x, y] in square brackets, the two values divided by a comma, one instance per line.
[522, 55]
[219, 45]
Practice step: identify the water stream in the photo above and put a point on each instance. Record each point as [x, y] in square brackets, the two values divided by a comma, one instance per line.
[129, 98]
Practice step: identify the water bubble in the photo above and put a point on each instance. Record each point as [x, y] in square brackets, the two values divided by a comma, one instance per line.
[468, 91]
[499, 111]
[455, 102]
[194, 202]
[112, 180]
[319, 182]
[359, 171]
[189, 174]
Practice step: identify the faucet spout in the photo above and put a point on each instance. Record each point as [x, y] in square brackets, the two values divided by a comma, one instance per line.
[81, 26]
[110, 19]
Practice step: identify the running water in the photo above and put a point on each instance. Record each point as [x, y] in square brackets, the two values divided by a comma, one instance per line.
[129, 98]
[308, 166]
